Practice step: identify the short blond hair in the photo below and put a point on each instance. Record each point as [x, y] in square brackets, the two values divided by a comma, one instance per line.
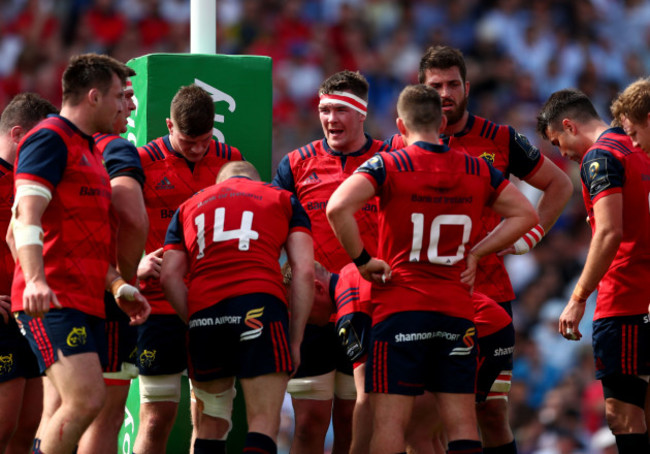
[238, 169]
[633, 103]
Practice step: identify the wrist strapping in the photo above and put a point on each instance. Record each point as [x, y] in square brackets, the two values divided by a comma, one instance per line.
[529, 240]
[580, 294]
[120, 289]
[363, 258]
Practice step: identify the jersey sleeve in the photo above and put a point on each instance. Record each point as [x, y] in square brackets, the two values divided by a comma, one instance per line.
[524, 158]
[498, 182]
[374, 169]
[601, 173]
[299, 218]
[121, 159]
[284, 176]
[174, 236]
[42, 157]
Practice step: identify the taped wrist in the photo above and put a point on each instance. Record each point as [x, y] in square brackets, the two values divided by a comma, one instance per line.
[529, 240]
[363, 258]
[26, 234]
[120, 289]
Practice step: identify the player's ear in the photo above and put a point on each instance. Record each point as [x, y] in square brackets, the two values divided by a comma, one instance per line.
[170, 124]
[569, 126]
[319, 287]
[16, 133]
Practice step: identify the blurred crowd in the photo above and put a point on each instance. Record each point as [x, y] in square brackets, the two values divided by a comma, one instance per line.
[518, 52]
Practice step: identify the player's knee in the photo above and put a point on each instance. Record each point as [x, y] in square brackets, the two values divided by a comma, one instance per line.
[217, 405]
[319, 387]
[160, 388]
[344, 387]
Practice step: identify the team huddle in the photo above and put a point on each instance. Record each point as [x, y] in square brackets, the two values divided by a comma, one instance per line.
[391, 315]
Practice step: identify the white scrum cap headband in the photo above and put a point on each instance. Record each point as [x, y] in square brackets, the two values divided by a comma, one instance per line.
[346, 99]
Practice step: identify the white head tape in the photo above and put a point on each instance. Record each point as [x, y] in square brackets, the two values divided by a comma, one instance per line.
[346, 99]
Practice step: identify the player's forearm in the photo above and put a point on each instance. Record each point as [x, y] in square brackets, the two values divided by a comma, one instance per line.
[176, 293]
[131, 242]
[302, 296]
[505, 234]
[602, 250]
[552, 202]
[31, 262]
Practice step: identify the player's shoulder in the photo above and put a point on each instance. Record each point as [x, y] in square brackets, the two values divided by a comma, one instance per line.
[480, 127]
[226, 151]
[306, 152]
[154, 151]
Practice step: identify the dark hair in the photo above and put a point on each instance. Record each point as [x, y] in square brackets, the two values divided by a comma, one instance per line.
[192, 110]
[88, 71]
[420, 108]
[568, 103]
[346, 80]
[441, 57]
[25, 110]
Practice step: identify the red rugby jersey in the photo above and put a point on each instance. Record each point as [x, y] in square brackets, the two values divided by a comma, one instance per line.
[313, 172]
[612, 165]
[430, 204]
[511, 153]
[352, 292]
[76, 250]
[6, 202]
[233, 233]
[489, 316]
[170, 181]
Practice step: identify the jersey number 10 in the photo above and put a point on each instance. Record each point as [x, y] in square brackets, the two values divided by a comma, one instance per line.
[434, 237]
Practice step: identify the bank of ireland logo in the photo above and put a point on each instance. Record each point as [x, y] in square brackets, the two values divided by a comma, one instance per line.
[77, 337]
[252, 322]
[147, 357]
[6, 364]
[468, 340]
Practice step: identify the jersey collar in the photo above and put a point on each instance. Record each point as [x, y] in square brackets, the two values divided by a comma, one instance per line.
[468, 127]
[433, 147]
[359, 152]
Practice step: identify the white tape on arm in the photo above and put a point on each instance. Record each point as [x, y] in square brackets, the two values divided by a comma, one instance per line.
[529, 240]
[26, 234]
[30, 189]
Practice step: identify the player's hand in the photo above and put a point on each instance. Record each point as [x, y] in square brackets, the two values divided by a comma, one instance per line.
[295, 357]
[468, 276]
[376, 270]
[37, 298]
[131, 301]
[150, 265]
[570, 320]
[5, 307]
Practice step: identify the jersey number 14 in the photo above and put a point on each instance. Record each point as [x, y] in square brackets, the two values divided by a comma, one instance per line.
[244, 233]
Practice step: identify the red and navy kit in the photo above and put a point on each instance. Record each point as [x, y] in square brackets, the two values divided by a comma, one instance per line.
[511, 153]
[613, 166]
[233, 233]
[6, 202]
[312, 173]
[170, 181]
[430, 204]
[120, 157]
[76, 250]
[489, 316]
[351, 294]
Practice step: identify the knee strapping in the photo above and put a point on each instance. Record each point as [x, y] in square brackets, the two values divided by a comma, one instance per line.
[319, 387]
[217, 405]
[344, 386]
[160, 388]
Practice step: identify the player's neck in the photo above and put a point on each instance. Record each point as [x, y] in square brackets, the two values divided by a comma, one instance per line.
[595, 128]
[80, 118]
[457, 127]
[7, 149]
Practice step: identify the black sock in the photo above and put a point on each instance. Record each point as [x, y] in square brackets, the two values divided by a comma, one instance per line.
[464, 447]
[510, 448]
[632, 443]
[205, 446]
[36, 447]
[259, 443]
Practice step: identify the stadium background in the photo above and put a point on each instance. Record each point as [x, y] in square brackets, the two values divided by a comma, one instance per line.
[517, 52]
